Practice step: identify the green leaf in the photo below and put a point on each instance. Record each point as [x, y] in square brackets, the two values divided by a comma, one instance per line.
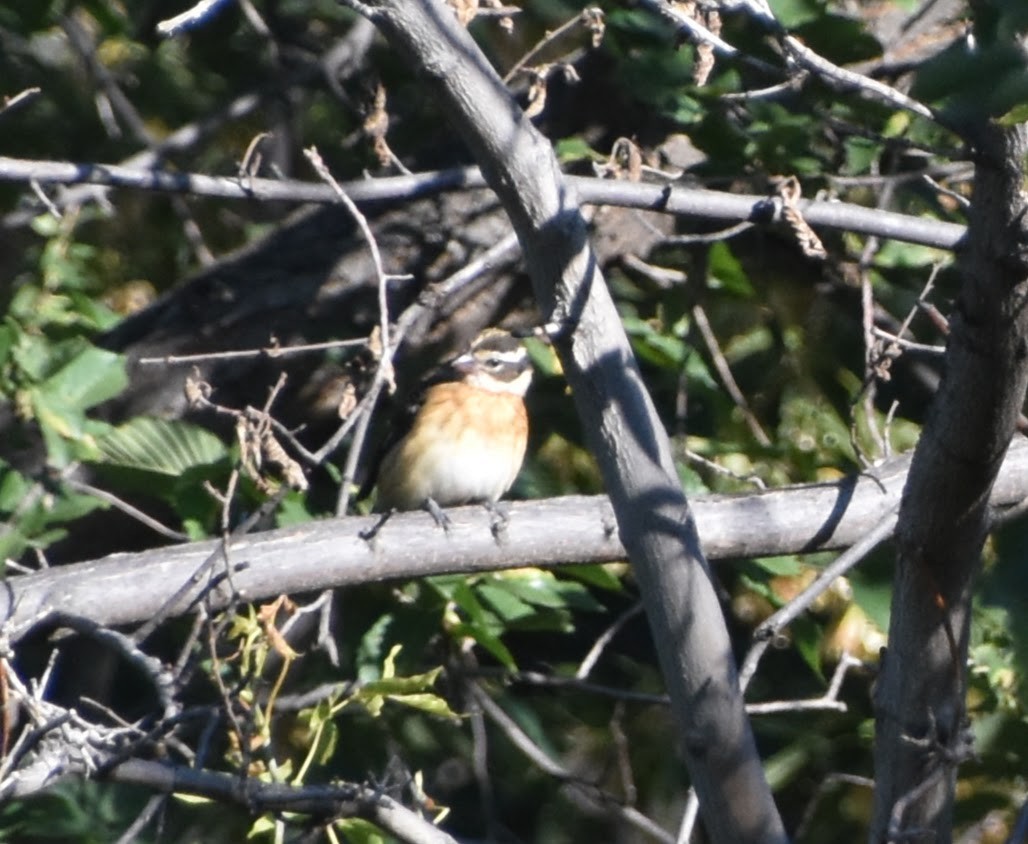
[431, 704]
[785, 566]
[93, 376]
[13, 487]
[544, 359]
[504, 602]
[390, 686]
[806, 635]
[358, 831]
[293, 510]
[67, 432]
[908, 255]
[192, 799]
[415, 690]
[161, 446]
[785, 765]
[1018, 114]
[598, 576]
[264, 825]
[575, 596]
[534, 586]
[792, 13]
[861, 153]
[487, 640]
[327, 736]
[663, 350]
[13, 542]
[873, 596]
[727, 273]
[32, 354]
[574, 149]
[479, 616]
[371, 652]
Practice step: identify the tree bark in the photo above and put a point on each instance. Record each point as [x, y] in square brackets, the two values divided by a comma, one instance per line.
[922, 731]
[618, 417]
[132, 588]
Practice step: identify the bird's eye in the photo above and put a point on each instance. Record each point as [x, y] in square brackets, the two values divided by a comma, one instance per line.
[493, 363]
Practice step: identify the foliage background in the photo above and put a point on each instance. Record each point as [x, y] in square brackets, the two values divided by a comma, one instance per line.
[819, 402]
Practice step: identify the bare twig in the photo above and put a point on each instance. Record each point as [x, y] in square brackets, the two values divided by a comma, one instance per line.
[520, 739]
[586, 666]
[833, 75]
[667, 198]
[326, 801]
[708, 237]
[21, 98]
[690, 29]
[846, 80]
[125, 507]
[907, 345]
[586, 17]
[191, 17]
[828, 701]
[48, 203]
[843, 563]
[376, 256]
[690, 815]
[384, 371]
[699, 460]
[82, 42]
[727, 379]
[273, 351]
[170, 606]
[827, 783]
[134, 830]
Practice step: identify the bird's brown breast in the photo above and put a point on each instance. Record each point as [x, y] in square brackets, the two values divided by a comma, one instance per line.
[466, 444]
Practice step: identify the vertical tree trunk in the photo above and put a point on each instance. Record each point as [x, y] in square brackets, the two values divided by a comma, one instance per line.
[618, 417]
[922, 731]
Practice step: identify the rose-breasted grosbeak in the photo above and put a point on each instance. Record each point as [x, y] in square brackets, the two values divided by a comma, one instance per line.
[468, 435]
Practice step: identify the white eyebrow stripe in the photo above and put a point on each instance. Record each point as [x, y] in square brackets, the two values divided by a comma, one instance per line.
[514, 356]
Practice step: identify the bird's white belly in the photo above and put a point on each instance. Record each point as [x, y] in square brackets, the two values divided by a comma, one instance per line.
[471, 471]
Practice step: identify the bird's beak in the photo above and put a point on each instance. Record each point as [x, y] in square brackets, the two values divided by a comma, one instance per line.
[464, 364]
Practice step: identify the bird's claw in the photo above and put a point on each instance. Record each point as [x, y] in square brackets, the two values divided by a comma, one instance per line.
[499, 518]
[436, 512]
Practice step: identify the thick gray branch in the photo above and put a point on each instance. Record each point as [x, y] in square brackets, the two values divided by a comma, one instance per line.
[672, 199]
[132, 588]
[620, 423]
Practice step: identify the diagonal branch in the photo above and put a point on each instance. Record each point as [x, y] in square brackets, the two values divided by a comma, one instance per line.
[620, 422]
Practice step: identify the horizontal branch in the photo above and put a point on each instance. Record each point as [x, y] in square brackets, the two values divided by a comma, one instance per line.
[327, 801]
[129, 588]
[671, 199]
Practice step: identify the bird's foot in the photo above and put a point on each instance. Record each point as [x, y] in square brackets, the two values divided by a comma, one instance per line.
[370, 534]
[436, 512]
[499, 518]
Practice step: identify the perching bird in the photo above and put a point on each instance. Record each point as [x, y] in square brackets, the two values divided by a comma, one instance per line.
[468, 436]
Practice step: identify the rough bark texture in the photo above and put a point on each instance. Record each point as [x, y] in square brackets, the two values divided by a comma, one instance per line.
[921, 721]
[621, 426]
[131, 588]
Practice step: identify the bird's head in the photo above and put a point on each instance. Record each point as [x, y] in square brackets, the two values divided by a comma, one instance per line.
[497, 361]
